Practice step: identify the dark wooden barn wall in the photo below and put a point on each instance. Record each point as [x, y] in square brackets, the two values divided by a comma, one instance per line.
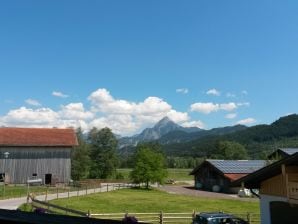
[22, 162]
[209, 177]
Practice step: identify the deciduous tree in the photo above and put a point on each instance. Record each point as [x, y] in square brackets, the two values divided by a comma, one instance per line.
[149, 166]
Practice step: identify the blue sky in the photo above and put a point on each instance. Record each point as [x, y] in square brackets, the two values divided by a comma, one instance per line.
[120, 63]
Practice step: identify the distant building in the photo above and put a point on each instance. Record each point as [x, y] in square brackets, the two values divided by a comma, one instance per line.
[217, 175]
[278, 190]
[282, 153]
[36, 153]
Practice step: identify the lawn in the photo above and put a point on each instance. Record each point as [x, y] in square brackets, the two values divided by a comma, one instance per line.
[15, 191]
[175, 174]
[141, 200]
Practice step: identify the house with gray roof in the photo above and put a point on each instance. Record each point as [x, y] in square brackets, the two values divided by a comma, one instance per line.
[217, 175]
[282, 153]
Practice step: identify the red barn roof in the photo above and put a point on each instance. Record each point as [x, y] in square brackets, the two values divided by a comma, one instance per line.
[37, 137]
[235, 176]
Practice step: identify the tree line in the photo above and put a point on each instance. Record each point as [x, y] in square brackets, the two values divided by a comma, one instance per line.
[96, 157]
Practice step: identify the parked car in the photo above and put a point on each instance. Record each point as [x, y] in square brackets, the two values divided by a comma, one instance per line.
[217, 218]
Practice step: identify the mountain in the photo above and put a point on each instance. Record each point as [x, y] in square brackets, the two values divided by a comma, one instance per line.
[258, 140]
[168, 132]
[181, 136]
[161, 128]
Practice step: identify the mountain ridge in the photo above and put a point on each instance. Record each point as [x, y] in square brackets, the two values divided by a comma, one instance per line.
[167, 131]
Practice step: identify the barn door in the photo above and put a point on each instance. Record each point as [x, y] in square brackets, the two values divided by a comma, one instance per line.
[48, 178]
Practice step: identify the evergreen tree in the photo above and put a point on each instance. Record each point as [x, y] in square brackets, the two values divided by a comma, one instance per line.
[80, 160]
[103, 145]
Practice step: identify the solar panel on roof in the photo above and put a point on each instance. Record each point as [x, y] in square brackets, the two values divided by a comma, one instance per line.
[238, 166]
[289, 151]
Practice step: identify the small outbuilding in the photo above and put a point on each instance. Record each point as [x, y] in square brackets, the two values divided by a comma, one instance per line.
[217, 175]
[36, 153]
[278, 190]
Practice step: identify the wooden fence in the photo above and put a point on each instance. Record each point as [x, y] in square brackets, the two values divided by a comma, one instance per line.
[166, 217]
[154, 218]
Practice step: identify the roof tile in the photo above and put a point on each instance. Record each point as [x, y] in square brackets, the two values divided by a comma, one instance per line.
[37, 137]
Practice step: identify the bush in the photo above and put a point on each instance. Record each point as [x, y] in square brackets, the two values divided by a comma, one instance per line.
[130, 220]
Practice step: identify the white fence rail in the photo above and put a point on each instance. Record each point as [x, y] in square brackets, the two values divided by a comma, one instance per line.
[164, 217]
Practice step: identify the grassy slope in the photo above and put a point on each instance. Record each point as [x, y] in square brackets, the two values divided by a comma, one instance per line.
[138, 200]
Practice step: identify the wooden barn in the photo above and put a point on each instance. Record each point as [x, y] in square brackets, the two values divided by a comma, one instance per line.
[278, 190]
[36, 153]
[217, 175]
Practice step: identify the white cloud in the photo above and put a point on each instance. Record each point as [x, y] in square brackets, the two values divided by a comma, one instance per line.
[102, 101]
[75, 111]
[182, 90]
[137, 115]
[59, 94]
[209, 107]
[120, 124]
[41, 117]
[213, 92]
[198, 124]
[247, 121]
[228, 106]
[231, 116]
[178, 117]
[122, 116]
[32, 102]
[31, 117]
[205, 108]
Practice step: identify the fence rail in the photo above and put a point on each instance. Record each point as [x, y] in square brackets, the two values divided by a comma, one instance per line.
[144, 217]
[49, 207]
[167, 217]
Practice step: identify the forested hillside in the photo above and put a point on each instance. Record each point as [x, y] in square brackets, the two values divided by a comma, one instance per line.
[258, 140]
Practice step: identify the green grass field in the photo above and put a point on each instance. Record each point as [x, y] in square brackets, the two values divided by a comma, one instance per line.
[141, 200]
[175, 174]
[12, 191]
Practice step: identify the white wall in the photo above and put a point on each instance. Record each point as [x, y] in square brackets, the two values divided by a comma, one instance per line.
[265, 206]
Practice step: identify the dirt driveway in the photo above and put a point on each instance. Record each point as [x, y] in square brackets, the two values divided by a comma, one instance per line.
[191, 191]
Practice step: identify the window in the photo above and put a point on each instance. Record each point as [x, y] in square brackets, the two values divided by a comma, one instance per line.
[34, 175]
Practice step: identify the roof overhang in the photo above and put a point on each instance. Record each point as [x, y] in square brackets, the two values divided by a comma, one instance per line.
[254, 180]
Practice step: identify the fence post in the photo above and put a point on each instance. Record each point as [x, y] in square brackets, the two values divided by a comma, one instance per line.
[99, 187]
[57, 192]
[107, 187]
[86, 190]
[193, 214]
[68, 192]
[89, 214]
[161, 218]
[78, 191]
[46, 197]
[249, 218]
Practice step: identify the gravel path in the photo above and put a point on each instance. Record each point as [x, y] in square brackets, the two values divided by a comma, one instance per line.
[187, 190]
[14, 203]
